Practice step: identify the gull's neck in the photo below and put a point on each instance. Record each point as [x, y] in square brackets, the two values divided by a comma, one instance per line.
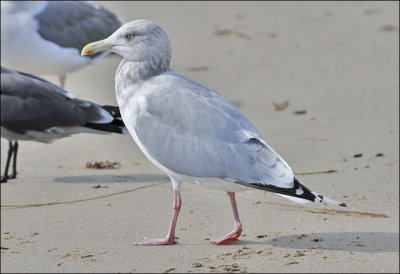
[135, 71]
[130, 76]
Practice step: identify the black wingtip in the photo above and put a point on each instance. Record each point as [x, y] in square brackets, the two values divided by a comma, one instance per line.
[343, 204]
[116, 126]
[113, 110]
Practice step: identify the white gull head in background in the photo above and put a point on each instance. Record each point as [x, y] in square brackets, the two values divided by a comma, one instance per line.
[189, 131]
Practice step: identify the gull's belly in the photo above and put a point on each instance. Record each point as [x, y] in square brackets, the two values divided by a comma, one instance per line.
[130, 110]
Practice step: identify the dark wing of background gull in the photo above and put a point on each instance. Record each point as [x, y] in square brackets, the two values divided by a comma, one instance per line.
[73, 24]
[37, 110]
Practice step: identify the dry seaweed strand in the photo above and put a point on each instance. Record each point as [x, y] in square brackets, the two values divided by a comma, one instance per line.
[77, 201]
[334, 211]
[345, 212]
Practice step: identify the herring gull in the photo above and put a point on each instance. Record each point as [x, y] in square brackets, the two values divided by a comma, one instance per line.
[189, 131]
[37, 110]
[45, 37]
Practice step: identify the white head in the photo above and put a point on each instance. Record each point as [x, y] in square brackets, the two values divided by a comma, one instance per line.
[136, 41]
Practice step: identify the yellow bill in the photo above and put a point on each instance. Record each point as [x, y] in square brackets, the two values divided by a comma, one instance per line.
[95, 47]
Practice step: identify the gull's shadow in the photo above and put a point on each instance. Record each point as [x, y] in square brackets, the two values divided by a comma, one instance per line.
[375, 242]
[110, 178]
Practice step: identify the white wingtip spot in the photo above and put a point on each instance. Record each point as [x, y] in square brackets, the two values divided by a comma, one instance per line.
[299, 191]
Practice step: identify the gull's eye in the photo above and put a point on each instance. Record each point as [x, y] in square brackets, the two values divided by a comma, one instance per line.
[129, 36]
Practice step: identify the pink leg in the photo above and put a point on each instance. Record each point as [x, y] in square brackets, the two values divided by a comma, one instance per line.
[237, 229]
[170, 239]
[62, 78]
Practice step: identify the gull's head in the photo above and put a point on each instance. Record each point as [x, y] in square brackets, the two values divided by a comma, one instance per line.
[136, 41]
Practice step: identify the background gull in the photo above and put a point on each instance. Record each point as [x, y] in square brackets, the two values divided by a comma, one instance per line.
[37, 110]
[45, 37]
[189, 131]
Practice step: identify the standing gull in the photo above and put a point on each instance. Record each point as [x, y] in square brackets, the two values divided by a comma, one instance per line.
[45, 37]
[189, 131]
[37, 110]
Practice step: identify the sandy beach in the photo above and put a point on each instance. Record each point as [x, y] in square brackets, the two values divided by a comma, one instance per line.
[336, 64]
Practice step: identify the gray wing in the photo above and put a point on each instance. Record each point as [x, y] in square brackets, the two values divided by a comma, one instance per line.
[74, 24]
[31, 103]
[194, 131]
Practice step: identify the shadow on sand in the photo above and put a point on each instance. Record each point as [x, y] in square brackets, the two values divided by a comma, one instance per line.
[373, 242]
[370, 242]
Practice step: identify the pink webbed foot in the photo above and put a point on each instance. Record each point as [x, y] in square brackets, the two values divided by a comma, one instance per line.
[170, 239]
[236, 232]
[166, 241]
[237, 229]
